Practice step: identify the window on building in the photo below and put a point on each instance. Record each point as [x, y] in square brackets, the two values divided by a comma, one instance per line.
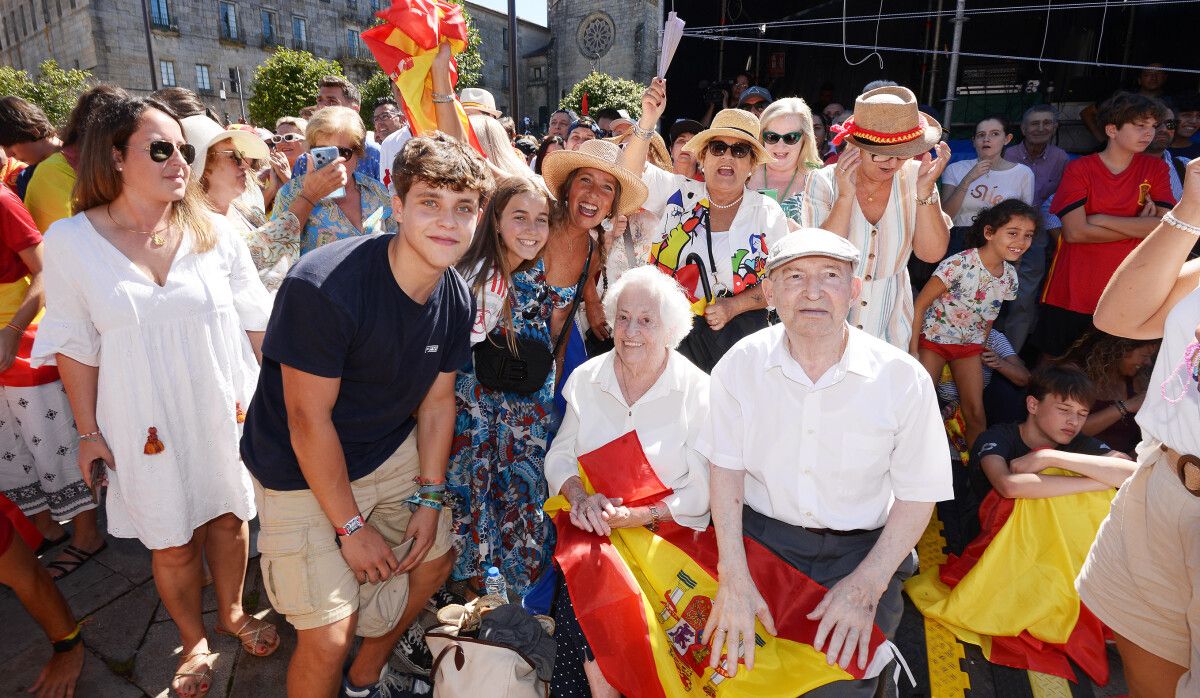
[504, 77]
[376, 6]
[504, 34]
[32, 15]
[45, 12]
[268, 26]
[235, 80]
[229, 27]
[535, 73]
[299, 33]
[202, 81]
[352, 5]
[353, 43]
[166, 73]
[24, 23]
[160, 13]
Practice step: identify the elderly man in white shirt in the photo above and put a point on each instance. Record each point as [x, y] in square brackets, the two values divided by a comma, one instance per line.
[833, 441]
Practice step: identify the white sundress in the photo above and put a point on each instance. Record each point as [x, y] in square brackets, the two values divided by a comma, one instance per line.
[174, 358]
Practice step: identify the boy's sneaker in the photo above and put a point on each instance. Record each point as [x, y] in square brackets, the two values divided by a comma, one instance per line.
[390, 685]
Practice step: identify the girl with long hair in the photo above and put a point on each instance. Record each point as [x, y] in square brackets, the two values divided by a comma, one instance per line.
[1119, 368]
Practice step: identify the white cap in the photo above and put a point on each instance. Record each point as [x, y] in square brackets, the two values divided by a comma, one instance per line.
[477, 99]
[811, 242]
[201, 132]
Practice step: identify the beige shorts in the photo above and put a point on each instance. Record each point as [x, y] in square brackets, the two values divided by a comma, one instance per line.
[303, 571]
[1142, 576]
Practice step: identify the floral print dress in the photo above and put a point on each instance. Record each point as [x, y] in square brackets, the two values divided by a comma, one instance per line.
[496, 478]
[327, 223]
[964, 313]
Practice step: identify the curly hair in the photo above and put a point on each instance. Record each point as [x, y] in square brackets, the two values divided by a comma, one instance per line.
[441, 161]
[998, 216]
[1099, 355]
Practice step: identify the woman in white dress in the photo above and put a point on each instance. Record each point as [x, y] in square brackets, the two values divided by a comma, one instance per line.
[154, 316]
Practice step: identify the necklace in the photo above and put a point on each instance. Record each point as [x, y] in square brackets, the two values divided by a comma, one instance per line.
[731, 204]
[878, 188]
[156, 237]
[782, 194]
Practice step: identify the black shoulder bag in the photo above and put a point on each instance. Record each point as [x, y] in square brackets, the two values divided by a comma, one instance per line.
[523, 371]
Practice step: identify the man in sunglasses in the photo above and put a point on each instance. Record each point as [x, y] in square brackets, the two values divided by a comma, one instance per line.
[1163, 136]
[755, 100]
[336, 91]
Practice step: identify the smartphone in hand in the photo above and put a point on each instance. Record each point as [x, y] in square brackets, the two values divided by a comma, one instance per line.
[99, 478]
[323, 156]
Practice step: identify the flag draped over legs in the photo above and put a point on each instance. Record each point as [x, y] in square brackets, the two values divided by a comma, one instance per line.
[643, 598]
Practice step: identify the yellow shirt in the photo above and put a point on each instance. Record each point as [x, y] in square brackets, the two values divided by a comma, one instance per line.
[48, 196]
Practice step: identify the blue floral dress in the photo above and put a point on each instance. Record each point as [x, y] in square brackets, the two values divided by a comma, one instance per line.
[327, 223]
[496, 477]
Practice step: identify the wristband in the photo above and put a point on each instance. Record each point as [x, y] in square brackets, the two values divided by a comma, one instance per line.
[68, 643]
[92, 436]
[428, 481]
[419, 501]
[1120, 405]
[351, 527]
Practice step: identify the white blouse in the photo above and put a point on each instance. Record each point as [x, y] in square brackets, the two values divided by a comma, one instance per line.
[668, 420]
[1171, 412]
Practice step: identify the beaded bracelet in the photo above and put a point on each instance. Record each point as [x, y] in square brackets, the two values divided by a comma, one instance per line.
[92, 436]
[1170, 219]
[442, 99]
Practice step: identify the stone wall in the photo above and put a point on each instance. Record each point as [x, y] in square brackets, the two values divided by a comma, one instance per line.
[493, 31]
[616, 37]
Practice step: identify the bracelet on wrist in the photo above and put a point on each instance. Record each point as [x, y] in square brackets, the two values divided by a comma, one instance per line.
[428, 481]
[643, 133]
[929, 200]
[18, 330]
[418, 501]
[310, 201]
[1170, 219]
[442, 99]
[92, 436]
[350, 527]
[1120, 405]
[68, 643]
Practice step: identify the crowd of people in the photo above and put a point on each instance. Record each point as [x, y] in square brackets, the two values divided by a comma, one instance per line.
[804, 331]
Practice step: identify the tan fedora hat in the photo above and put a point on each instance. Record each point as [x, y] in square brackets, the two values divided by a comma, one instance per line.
[886, 122]
[600, 155]
[737, 124]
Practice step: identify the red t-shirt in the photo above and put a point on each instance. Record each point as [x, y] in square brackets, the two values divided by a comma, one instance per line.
[1081, 270]
[17, 232]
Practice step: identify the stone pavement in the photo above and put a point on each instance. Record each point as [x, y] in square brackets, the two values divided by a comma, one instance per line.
[132, 645]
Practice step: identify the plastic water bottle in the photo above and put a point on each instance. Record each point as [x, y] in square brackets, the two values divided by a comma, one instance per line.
[494, 584]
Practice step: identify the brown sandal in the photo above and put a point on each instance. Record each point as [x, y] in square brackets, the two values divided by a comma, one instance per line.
[250, 637]
[203, 679]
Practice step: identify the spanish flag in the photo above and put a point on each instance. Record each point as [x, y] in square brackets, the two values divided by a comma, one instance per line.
[405, 46]
[1012, 591]
[644, 597]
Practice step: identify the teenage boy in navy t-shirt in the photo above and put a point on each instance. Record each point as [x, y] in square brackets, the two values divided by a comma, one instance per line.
[1108, 202]
[349, 432]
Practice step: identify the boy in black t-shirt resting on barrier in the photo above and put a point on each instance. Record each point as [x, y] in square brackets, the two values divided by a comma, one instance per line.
[349, 431]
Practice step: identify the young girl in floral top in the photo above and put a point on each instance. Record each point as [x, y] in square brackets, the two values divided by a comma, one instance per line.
[956, 309]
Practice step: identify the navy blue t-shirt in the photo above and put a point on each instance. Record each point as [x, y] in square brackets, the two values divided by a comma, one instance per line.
[340, 314]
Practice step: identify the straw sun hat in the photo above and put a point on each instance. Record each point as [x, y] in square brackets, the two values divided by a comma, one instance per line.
[736, 124]
[202, 132]
[600, 155]
[886, 122]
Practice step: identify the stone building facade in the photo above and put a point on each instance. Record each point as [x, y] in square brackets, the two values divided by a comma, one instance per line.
[619, 38]
[532, 41]
[212, 46]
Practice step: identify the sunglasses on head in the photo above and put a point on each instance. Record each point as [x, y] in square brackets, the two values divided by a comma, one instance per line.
[738, 150]
[792, 138]
[161, 151]
[289, 137]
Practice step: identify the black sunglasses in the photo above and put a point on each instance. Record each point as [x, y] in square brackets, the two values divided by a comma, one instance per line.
[289, 137]
[718, 149]
[238, 158]
[791, 138]
[161, 151]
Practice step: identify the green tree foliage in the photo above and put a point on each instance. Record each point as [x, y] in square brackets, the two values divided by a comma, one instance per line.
[470, 64]
[286, 83]
[376, 87]
[605, 92]
[54, 89]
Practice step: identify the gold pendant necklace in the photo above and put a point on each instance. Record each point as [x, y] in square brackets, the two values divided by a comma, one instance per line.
[156, 236]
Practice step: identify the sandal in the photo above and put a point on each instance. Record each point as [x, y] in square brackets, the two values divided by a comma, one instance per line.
[250, 638]
[65, 567]
[186, 670]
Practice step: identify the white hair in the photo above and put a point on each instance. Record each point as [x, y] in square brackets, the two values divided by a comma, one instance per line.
[674, 310]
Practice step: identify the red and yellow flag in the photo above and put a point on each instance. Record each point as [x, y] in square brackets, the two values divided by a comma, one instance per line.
[405, 46]
[644, 597]
[1012, 591]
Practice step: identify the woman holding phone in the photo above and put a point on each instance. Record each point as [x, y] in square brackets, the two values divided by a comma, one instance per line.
[364, 207]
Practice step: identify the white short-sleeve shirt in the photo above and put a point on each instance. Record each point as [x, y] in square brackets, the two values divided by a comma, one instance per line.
[834, 453]
[997, 185]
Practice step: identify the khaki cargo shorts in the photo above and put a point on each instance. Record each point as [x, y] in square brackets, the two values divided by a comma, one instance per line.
[303, 571]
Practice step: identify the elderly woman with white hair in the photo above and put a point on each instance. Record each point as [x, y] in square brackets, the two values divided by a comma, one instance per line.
[645, 388]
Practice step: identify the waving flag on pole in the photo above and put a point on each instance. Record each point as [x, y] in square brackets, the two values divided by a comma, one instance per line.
[643, 598]
[405, 46]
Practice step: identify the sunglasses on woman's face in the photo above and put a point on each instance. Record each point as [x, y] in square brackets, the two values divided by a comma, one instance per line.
[792, 138]
[238, 158]
[161, 151]
[719, 148]
[289, 137]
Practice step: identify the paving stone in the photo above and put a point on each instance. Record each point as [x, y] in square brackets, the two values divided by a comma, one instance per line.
[96, 680]
[160, 654]
[128, 558]
[265, 676]
[115, 631]
[91, 588]
[20, 631]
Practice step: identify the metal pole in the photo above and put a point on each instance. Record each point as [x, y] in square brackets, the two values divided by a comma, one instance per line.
[514, 108]
[721, 51]
[937, 45]
[237, 70]
[149, 47]
[952, 78]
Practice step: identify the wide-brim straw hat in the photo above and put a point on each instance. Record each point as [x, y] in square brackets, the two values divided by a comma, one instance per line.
[202, 132]
[886, 121]
[736, 124]
[600, 155]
